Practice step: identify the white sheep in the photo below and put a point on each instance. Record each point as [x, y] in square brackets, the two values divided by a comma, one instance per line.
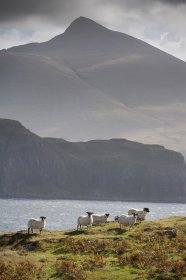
[36, 224]
[127, 220]
[85, 221]
[132, 211]
[141, 213]
[100, 218]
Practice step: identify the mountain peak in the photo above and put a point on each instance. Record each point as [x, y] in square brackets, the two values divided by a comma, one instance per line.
[82, 32]
[83, 25]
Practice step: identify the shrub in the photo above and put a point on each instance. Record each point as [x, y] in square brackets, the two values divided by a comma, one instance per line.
[179, 268]
[83, 245]
[95, 261]
[20, 271]
[69, 270]
[136, 259]
[120, 247]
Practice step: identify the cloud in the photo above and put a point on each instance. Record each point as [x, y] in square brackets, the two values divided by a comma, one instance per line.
[55, 10]
[173, 2]
[10, 10]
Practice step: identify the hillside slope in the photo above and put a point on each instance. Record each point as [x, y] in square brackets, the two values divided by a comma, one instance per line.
[103, 252]
[96, 83]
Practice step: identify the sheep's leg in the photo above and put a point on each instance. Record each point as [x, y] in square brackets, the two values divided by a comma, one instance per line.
[40, 230]
[28, 230]
[32, 230]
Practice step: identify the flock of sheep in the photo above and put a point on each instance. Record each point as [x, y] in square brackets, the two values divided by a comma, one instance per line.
[93, 219]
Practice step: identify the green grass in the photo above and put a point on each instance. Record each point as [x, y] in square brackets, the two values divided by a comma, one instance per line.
[104, 252]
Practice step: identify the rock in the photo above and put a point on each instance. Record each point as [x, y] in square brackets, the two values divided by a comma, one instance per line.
[170, 232]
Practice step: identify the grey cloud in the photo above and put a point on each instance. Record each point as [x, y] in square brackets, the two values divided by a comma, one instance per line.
[64, 10]
[10, 10]
[174, 2]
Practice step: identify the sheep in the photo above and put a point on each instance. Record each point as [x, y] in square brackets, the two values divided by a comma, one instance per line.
[85, 220]
[116, 218]
[127, 220]
[132, 211]
[141, 214]
[100, 218]
[36, 224]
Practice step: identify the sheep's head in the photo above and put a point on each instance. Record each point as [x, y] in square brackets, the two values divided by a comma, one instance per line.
[146, 210]
[89, 213]
[107, 215]
[42, 218]
[116, 218]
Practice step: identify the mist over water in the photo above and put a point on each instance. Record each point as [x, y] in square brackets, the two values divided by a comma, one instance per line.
[63, 214]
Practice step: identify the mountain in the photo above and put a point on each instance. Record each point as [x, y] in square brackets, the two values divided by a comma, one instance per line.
[92, 82]
[116, 169]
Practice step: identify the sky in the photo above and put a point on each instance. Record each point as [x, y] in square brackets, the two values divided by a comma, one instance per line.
[162, 23]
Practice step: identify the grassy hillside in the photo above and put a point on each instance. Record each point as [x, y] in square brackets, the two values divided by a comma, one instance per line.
[103, 252]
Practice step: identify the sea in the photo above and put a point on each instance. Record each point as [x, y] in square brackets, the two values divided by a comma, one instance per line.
[63, 214]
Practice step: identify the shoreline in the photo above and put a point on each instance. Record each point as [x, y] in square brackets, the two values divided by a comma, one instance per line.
[96, 199]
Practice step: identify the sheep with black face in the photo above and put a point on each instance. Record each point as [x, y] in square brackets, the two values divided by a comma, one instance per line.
[85, 221]
[36, 224]
[141, 213]
[127, 220]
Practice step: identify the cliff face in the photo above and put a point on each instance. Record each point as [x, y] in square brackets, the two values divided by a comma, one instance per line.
[116, 169]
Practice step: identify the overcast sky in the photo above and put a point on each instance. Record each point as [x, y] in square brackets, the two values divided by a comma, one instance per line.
[161, 23]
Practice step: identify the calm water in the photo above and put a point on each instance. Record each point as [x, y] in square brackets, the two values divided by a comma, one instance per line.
[62, 214]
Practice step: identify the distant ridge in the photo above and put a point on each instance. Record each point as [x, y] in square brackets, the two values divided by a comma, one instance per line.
[115, 169]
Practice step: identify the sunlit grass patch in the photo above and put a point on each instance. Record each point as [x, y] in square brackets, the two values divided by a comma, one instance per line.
[142, 252]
